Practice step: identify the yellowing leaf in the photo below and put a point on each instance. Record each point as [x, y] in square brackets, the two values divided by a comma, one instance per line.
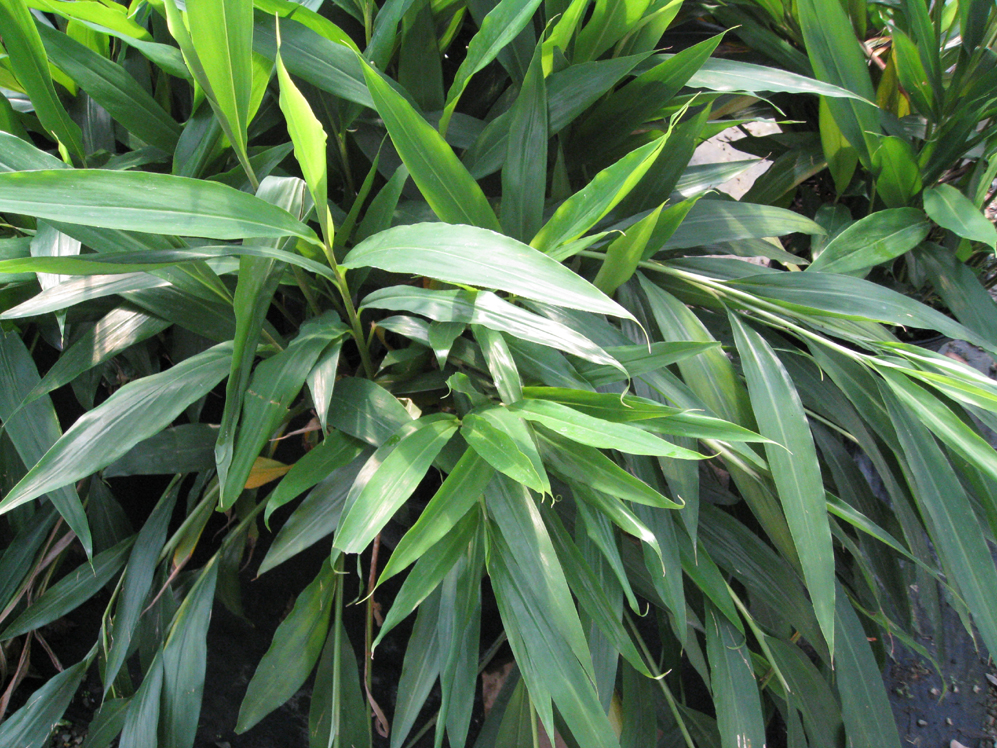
[264, 471]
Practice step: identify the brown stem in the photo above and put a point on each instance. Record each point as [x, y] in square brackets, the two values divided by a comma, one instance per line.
[22, 670]
[382, 721]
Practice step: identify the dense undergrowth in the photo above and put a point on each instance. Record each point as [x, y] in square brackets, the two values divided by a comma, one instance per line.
[459, 244]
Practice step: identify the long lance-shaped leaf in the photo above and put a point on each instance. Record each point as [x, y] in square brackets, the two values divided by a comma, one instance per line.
[338, 708]
[71, 591]
[711, 221]
[597, 432]
[524, 175]
[878, 237]
[837, 58]
[793, 460]
[718, 74]
[33, 427]
[471, 256]
[957, 531]
[111, 86]
[309, 140]
[303, 632]
[853, 298]
[275, 384]
[221, 32]
[184, 658]
[549, 647]
[137, 581]
[447, 186]
[454, 499]
[135, 412]
[27, 56]
[389, 477]
[139, 201]
[617, 117]
[860, 684]
[943, 422]
[31, 725]
[327, 65]
[588, 206]
[952, 210]
[488, 310]
[739, 708]
[502, 24]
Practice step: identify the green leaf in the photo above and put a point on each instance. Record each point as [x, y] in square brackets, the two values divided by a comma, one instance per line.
[860, 683]
[837, 59]
[133, 413]
[842, 158]
[501, 365]
[524, 174]
[543, 628]
[712, 221]
[610, 21]
[139, 201]
[142, 717]
[33, 427]
[952, 210]
[734, 76]
[184, 657]
[389, 477]
[447, 186]
[631, 106]
[187, 448]
[116, 331]
[898, 177]
[500, 451]
[793, 459]
[335, 451]
[137, 581]
[420, 669]
[31, 725]
[624, 253]
[592, 468]
[328, 65]
[956, 530]
[316, 517]
[106, 723]
[488, 310]
[502, 24]
[478, 257]
[111, 86]
[338, 707]
[596, 432]
[843, 296]
[221, 32]
[27, 56]
[309, 139]
[268, 397]
[960, 289]
[875, 239]
[588, 206]
[71, 591]
[739, 707]
[429, 571]
[811, 694]
[454, 499]
[303, 631]
[641, 359]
